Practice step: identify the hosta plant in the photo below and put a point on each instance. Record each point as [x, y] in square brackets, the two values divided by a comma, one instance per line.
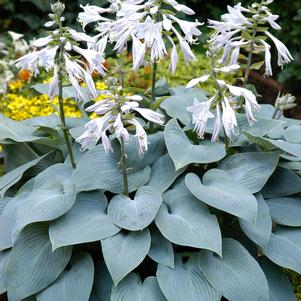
[170, 193]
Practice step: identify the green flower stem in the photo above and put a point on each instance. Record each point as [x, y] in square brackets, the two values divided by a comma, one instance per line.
[154, 78]
[121, 70]
[123, 157]
[275, 113]
[61, 106]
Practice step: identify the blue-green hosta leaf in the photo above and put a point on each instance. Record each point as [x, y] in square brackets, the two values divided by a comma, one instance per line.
[42, 205]
[176, 105]
[3, 202]
[219, 190]
[284, 248]
[185, 221]
[103, 283]
[293, 149]
[161, 249]
[123, 252]
[32, 265]
[86, 221]
[292, 134]
[283, 182]
[74, 284]
[279, 286]
[184, 152]
[3, 262]
[185, 282]
[56, 173]
[99, 170]
[138, 213]
[286, 211]
[237, 276]
[8, 220]
[259, 232]
[11, 178]
[14, 130]
[251, 170]
[132, 288]
[164, 173]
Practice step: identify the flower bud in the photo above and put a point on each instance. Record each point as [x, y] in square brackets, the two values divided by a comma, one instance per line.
[58, 8]
[285, 102]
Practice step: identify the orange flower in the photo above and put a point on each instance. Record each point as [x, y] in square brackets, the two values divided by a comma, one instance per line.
[24, 75]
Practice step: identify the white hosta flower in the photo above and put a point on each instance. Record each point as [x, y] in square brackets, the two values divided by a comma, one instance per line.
[284, 56]
[174, 57]
[235, 16]
[251, 105]
[217, 125]
[151, 115]
[229, 119]
[268, 57]
[200, 115]
[120, 130]
[95, 129]
[198, 80]
[141, 137]
[180, 7]
[54, 85]
[106, 142]
[42, 42]
[271, 20]
[188, 54]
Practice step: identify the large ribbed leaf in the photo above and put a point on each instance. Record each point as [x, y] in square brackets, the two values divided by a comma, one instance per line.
[123, 252]
[163, 174]
[86, 221]
[44, 204]
[8, 220]
[11, 178]
[251, 170]
[292, 134]
[161, 249]
[176, 105]
[32, 265]
[74, 284]
[99, 170]
[3, 202]
[237, 275]
[184, 152]
[259, 232]
[186, 221]
[219, 190]
[282, 183]
[293, 149]
[138, 213]
[279, 286]
[3, 262]
[185, 282]
[286, 211]
[284, 248]
[103, 283]
[132, 288]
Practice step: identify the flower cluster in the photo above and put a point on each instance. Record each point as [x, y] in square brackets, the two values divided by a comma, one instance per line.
[224, 101]
[247, 28]
[117, 112]
[55, 53]
[148, 26]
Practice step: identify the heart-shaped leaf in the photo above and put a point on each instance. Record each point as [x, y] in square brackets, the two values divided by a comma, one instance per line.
[251, 170]
[284, 248]
[75, 284]
[185, 221]
[163, 174]
[161, 249]
[132, 288]
[185, 282]
[99, 170]
[259, 232]
[283, 182]
[123, 252]
[286, 211]
[86, 221]
[279, 285]
[138, 213]
[237, 275]
[219, 190]
[32, 265]
[184, 152]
